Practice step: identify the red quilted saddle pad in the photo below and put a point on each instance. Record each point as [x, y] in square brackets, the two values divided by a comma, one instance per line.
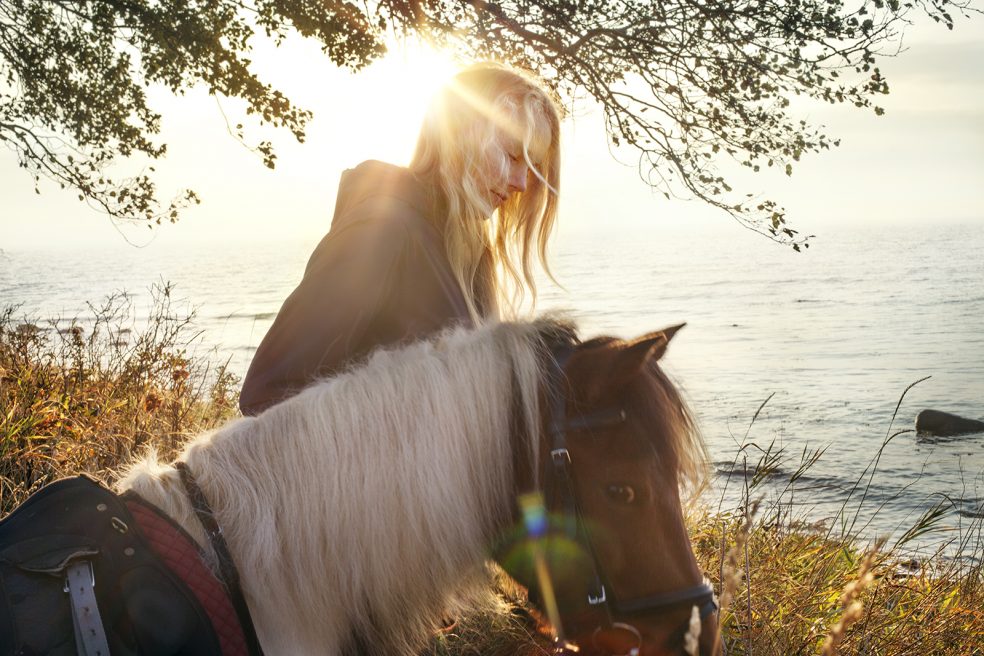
[181, 554]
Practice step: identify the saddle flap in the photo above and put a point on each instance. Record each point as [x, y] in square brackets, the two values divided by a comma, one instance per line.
[145, 607]
[48, 554]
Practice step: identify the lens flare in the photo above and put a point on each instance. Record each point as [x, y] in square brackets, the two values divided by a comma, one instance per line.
[535, 519]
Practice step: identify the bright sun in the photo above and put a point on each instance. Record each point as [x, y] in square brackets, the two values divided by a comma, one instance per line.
[402, 86]
[377, 112]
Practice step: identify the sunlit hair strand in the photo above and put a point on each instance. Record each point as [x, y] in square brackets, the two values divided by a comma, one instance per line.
[461, 150]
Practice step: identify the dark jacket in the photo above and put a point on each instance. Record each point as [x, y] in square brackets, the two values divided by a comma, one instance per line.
[379, 277]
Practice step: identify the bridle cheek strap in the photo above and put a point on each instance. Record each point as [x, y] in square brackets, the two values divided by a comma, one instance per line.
[561, 495]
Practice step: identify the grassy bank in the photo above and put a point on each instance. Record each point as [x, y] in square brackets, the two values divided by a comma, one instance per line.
[86, 395]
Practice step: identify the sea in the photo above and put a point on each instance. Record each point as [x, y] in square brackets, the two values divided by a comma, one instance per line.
[831, 351]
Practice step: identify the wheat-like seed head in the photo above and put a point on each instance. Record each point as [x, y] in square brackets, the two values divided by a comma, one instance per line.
[853, 609]
[690, 640]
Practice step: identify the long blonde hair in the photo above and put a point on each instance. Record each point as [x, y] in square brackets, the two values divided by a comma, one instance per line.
[460, 148]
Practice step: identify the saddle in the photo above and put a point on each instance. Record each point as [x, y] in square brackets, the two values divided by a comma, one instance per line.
[153, 593]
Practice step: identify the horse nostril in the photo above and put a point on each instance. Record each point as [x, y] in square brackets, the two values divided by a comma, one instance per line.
[621, 493]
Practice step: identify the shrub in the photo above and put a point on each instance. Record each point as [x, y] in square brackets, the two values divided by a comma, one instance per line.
[85, 394]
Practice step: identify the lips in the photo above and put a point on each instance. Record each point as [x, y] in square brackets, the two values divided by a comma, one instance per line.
[499, 197]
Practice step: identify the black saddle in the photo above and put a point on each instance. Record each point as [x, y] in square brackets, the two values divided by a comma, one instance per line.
[146, 609]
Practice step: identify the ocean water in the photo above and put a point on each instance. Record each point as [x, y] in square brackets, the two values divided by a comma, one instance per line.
[831, 338]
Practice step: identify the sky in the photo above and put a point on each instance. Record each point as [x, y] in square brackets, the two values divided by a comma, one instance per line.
[923, 161]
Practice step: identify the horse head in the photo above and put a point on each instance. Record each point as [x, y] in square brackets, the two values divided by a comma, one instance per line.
[606, 553]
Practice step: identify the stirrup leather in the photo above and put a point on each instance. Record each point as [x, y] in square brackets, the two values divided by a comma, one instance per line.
[80, 584]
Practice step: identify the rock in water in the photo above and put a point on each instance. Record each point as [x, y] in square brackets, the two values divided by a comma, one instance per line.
[944, 424]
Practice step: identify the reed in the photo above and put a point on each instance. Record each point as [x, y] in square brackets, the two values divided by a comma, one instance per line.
[86, 394]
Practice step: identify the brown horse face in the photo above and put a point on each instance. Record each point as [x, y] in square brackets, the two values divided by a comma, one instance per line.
[626, 477]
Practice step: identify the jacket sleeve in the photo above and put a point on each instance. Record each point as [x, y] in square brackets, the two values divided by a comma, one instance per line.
[323, 324]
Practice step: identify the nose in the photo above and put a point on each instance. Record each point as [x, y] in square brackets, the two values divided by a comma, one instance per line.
[518, 174]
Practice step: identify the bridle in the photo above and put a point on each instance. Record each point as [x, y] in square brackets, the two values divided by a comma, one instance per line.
[600, 603]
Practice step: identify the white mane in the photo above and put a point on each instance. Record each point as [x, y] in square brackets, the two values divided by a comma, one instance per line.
[357, 505]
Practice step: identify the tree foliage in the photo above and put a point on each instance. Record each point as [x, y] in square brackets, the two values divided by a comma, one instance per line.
[690, 84]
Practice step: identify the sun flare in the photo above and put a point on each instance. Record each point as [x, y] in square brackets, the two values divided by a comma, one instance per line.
[393, 95]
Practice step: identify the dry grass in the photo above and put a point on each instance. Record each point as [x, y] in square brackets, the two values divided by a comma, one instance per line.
[816, 588]
[814, 594]
[85, 395]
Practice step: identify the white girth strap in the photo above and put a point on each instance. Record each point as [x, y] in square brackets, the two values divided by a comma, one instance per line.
[80, 584]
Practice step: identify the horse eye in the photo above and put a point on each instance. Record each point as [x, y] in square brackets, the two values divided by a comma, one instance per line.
[621, 493]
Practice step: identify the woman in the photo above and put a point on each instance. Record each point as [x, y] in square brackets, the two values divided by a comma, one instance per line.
[412, 250]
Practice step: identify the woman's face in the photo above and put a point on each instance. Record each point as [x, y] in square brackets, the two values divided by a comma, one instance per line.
[510, 169]
[517, 173]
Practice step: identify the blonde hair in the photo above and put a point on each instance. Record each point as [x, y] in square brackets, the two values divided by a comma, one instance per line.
[460, 148]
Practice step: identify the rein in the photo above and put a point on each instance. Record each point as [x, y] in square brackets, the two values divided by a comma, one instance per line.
[228, 573]
[561, 496]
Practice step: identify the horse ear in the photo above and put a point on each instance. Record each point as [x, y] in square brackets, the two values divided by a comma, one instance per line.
[606, 368]
[653, 345]
[632, 356]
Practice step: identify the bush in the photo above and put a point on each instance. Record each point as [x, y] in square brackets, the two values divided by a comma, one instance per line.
[85, 394]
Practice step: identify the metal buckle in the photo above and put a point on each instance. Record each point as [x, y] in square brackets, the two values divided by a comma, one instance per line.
[600, 599]
[560, 457]
[92, 574]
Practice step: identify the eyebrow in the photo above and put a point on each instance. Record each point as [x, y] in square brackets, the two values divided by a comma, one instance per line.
[516, 148]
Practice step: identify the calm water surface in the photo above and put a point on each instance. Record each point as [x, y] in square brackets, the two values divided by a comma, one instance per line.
[831, 337]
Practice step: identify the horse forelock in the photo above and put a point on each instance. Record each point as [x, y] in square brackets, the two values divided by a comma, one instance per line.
[556, 331]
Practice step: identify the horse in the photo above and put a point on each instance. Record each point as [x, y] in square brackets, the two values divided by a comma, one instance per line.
[352, 516]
